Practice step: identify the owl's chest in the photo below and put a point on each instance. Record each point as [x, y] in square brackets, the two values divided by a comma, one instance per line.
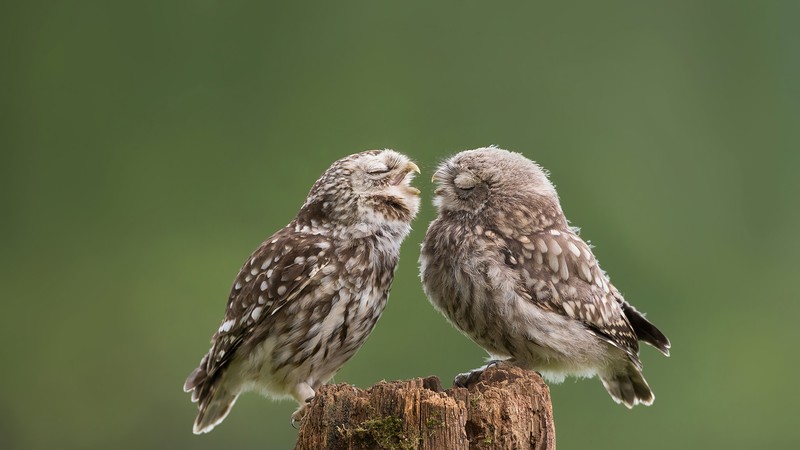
[467, 280]
[365, 276]
[461, 258]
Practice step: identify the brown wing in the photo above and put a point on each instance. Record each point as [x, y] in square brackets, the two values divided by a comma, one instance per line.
[280, 269]
[559, 273]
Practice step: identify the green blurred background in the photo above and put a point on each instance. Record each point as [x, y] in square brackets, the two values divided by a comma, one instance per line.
[148, 147]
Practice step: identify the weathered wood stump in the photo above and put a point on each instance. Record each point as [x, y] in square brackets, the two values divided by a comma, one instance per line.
[505, 408]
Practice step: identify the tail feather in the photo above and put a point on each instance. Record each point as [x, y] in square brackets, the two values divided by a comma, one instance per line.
[628, 387]
[215, 401]
[213, 410]
[646, 331]
[194, 380]
[197, 377]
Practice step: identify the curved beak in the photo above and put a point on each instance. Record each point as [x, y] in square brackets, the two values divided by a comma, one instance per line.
[405, 174]
[413, 168]
[438, 176]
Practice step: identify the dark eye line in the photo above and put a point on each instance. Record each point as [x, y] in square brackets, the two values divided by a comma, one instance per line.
[378, 171]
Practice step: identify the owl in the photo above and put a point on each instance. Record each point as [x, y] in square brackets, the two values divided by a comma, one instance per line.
[503, 265]
[307, 298]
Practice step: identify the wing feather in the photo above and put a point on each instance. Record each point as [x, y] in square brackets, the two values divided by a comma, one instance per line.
[560, 274]
[282, 268]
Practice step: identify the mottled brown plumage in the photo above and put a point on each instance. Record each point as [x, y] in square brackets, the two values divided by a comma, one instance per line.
[503, 265]
[305, 301]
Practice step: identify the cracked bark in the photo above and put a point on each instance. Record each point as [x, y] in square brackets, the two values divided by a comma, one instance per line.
[505, 408]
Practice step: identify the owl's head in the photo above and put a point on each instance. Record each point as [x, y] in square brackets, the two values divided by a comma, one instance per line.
[370, 189]
[474, 179]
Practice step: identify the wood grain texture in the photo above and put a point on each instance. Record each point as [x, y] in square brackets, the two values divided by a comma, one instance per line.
[504, 408]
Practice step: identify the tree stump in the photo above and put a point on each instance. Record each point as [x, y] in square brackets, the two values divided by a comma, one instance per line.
[504, 408]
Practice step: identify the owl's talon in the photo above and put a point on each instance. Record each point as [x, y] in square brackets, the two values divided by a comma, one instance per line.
[468, 378]
[297, 416]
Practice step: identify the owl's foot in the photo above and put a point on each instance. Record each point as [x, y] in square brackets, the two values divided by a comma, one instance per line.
[303, 393]
[297, 416]
[467, 378]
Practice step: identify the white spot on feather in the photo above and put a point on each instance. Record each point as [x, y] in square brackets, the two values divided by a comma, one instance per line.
[226, 326]
[552, 260]
[564, 269]
[256, 312]
[541, 245]
[586, 274]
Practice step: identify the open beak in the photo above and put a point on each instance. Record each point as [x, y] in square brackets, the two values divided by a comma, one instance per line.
[404, 175]
[413, 168]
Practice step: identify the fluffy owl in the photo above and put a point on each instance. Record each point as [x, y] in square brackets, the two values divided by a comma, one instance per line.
[305, 301]
[502, 264]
